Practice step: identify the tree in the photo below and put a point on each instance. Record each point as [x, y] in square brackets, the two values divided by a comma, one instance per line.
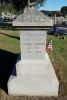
[7, 8]
[51, 13]
[64, 10]
[20, 4]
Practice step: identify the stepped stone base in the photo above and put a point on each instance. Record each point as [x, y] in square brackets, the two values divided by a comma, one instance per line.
[34, 84]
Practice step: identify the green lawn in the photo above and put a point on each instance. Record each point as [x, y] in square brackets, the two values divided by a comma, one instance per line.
[10, 42]
[59, 54]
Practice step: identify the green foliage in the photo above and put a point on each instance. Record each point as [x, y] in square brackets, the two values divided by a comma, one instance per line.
[64, 10]
[52, 13]
[18, 5]
[7, 8]
[21, 4]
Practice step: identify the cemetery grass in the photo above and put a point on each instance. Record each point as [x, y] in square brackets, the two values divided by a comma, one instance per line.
[9, 40]
[9, 49]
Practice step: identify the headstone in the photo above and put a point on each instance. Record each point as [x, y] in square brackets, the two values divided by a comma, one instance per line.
[35, 73]
[33, 44]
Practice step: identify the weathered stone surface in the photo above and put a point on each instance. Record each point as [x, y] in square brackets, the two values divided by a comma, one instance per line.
[32, 17]
[34, 84]
[33, 44]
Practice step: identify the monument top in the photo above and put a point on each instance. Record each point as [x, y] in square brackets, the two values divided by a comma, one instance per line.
[32, 17]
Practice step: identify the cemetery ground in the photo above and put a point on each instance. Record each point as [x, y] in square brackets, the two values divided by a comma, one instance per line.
[9, 49]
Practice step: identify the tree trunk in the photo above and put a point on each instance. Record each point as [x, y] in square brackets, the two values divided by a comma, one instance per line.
[31, 4]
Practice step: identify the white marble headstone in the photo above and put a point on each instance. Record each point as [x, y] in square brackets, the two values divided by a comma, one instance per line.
[35, 73]
[33, 44]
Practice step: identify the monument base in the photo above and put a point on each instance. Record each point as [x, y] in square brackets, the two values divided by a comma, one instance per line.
[35, 84]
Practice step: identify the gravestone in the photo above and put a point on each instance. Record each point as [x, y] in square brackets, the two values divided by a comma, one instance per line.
[35, 75]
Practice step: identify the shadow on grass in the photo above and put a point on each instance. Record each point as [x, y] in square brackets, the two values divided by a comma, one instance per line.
[11, 36]
[7, 62]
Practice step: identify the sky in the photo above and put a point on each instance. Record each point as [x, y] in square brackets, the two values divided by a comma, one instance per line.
[53, 5]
